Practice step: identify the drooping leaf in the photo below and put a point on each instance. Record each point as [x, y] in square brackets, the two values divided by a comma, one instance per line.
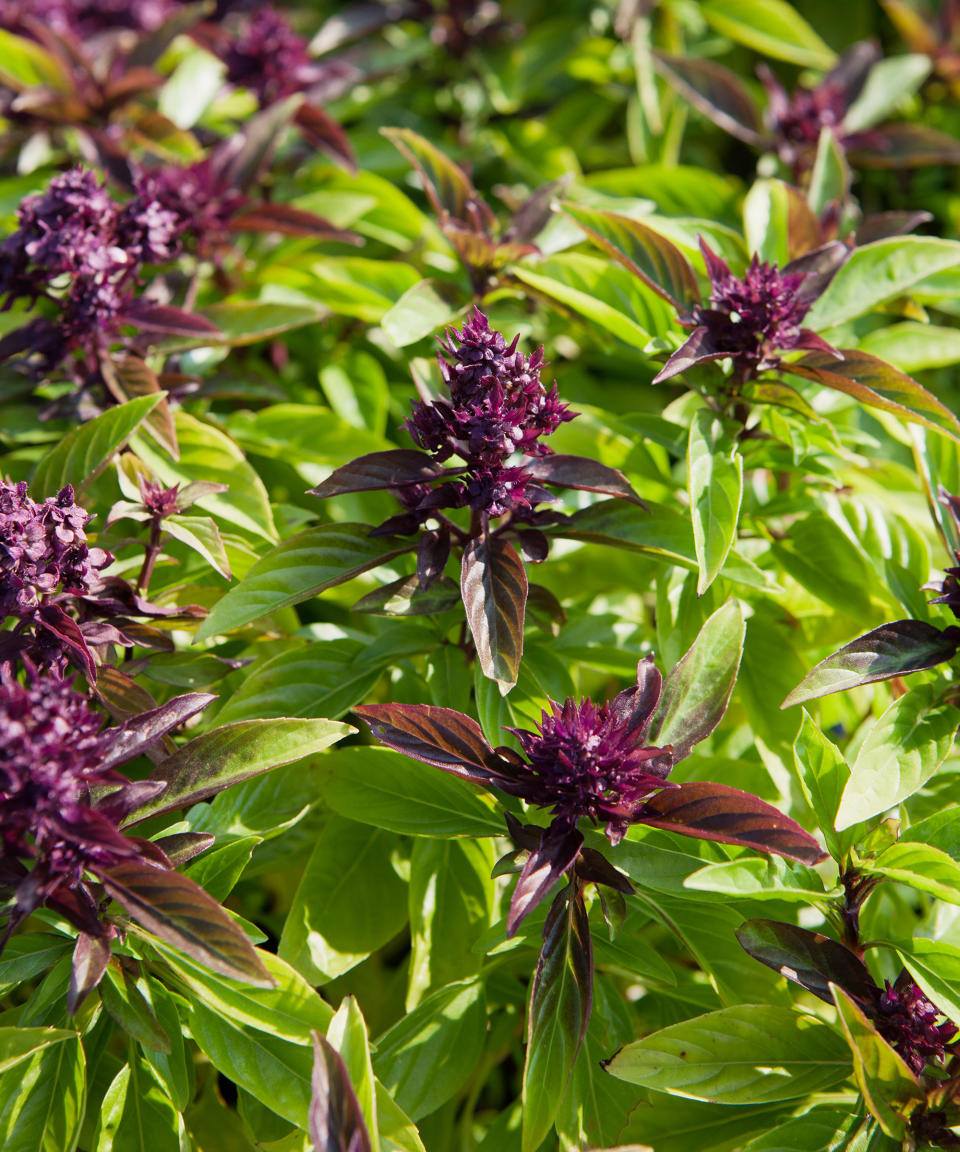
[493, 584]
[445, 183]
[715, 487]
[123, 1000]
[902, 751]
[717, 812]
[179, 911]
[748, 1054]
[139, 732]
[336, 1121]
[895, 649]
[656, 260]
[698, 688]
[91, 954]
[302, 566]
[716, 92]
[807, 958]
[583, 473]
[556, 851]
[376, 470]
[561, 997]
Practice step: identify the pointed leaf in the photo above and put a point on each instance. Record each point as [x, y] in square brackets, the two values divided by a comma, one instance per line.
[561, 997]
[807, 958]
[895, 649]
[771, 27]
[336, 1121]
[168, 320]
[823, 774]
[18, 1044]
[323, 132]
[438, 736]
[657, 261]
[201, 534]
[903, 749]
[717, 812]
[445, 183]
[493, 584]
[137, 734]
[300, 567]
[123, 1000]
[903, 145]
[716, 92]
[178, 911]
[922, 867]
[877, 384]
[582, 473]
[698, 688]
[748, 1054]
[715, 487]
[888, 1087]
[91, 955]
[830, 176]
[263, 216]
[232, 753]
[559, 847]
[393, 469]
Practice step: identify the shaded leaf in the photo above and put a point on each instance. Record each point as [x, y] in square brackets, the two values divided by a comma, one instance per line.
[336, 1121]
[558, 848]
[17, 1044]
[493, 584]
[807, 958]
[91, 954]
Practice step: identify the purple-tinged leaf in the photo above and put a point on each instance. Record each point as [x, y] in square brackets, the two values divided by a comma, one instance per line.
[534, 545]
[716, 92]
[181, 847]
[708, 811]
[336, 1122]
[446, 184]
[438, 736]
[405, 597]
[561, 997]
[493, 584]
[240, 160]
[377, 470]
[545, 609]
[325, 134]
[807, 958]
[556, 851]
[698, 348]
[534, 213]
[168, 320]
[179, 912]
[697, 690]
[433, 551]
[883, 225]
[583, 473]
[595, 867]
[905, 145]
[891, 650]
[91, 955]
[233, 753]
[817, 268]
[634, 707]
[874, 382]
[659, 263]
[66, 632]
[140, 732]
[262, 216]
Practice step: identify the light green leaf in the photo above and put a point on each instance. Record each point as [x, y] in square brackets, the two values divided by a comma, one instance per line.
[42, 1102]
[26, 64]
[935, 965]
[202, 535]
[921, 867]
[887, 83]
[823, 774]
[138, 1116]
[830, 176]
[715, 488]
[759, 878]
[419, 311]
[17, 1044]
[771, 27]
[348, 1034]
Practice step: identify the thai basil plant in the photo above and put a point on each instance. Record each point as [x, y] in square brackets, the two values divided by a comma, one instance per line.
[479, 558]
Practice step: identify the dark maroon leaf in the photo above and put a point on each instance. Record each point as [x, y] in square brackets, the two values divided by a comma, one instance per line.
[336, 1121]
[851, 70]
[325, 134]
[534, 213]
[377, 470]
[583, 473]
[167, 319]
[872, 381]
[262, 216]
[52, 618]
[438, 736]
[91, 954]
[179, 912]
[29, 336]
[117, 804]
[891, 650]
[716, 812]
[807, 958]
[698, 348]
[493, 584]
[558, 848]
[139, 732]
[882, 225]
[179, 847]
[240, 160]
[817, 268]
[716, 92]
[595, 867]
[905, 145]
[534, 545]
[634, 707]
[432, 554]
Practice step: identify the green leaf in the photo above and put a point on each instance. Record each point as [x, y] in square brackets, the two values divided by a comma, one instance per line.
[715, 488]
[697, 690]
[42, 1102]
[242, 322]
[822, 1127]
[493, 584]
[191, 88]
[83, 453]
[778, 223]
[125, 1003]
[823, 774]
[383, 788]
[759, 878]
[302, 566]
[350, 901]
[208, 453]
[348, 1035]
[913, 347]
[27, 955]
[879, 272]
[771, 27]
[451, 903]
[642, 251]
[561, 997]
[202, 535]
[885, 1082]
[421, 310]
[887, 83]
[18, 1044]
[175, 1069]
[830, 176]
[904, 748]
[425, 1058]
[138, 1116]
[233, 753]
[921, 867]
[747, 1054]
[25, 64]
[218, 870]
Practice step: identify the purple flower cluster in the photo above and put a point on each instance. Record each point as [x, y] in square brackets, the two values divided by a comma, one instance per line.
[43, 549]
[749, 319]
[908, 1021]
[79, 248]
[269, 58]
[192, 203]
[949, 587]
[590, 761]
[85, 18]
[498, 406]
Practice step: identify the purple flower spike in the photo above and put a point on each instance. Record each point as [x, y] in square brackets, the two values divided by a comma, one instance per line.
[906, 1019]
[270, 59]
[750, 320]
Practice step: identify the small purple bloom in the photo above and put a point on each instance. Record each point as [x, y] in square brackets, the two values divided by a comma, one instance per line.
[269, 58]
[907, 1020]
[749, 320]
[85, 18]
[949, 587]
[193, 202]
